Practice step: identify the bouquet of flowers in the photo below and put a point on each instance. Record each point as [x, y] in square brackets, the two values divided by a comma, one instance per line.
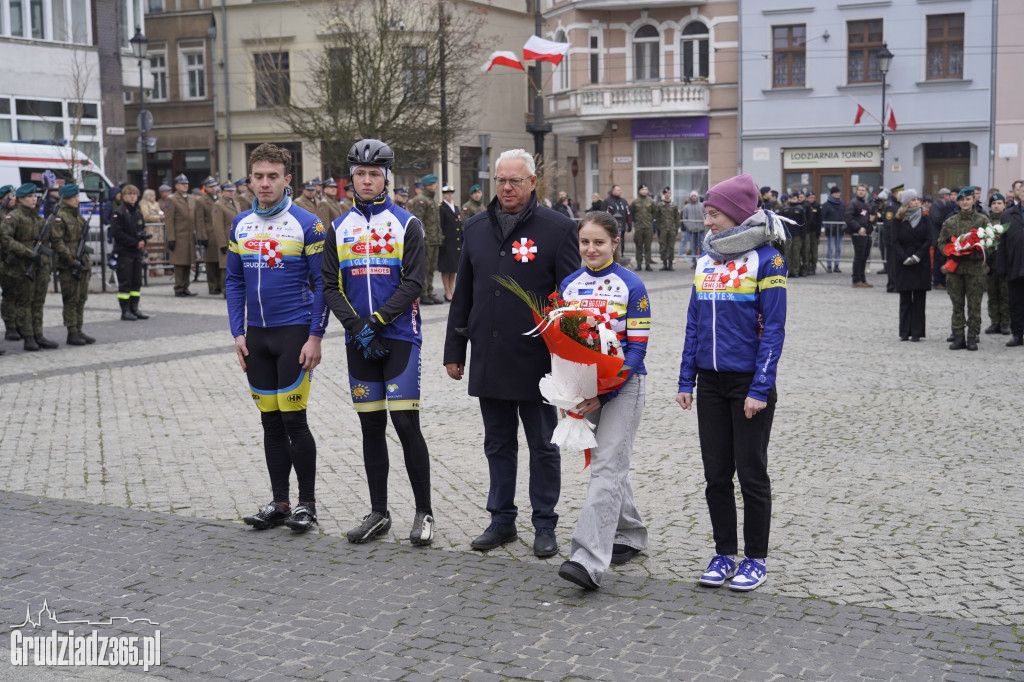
[989, 236]
[586, 360]
[962, 245]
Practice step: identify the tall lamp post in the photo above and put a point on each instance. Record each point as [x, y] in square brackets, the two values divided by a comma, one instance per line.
[140, 44]
[884, 62]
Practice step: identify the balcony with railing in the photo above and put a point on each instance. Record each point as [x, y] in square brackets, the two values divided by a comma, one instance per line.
[632, 100]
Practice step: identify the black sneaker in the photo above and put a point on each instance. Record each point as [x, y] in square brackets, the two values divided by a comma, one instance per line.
[303, 517]
[373, 526]
[272, 515]
[422, 532]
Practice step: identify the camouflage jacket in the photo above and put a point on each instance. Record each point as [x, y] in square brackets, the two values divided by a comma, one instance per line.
[65, 231]
[425, 208]
[642, 209]
[666, 213]
[956, 225]
[471, 208]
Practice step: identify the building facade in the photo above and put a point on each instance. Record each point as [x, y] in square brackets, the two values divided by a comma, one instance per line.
[808, 71]
[647, 94]
[1008, 160]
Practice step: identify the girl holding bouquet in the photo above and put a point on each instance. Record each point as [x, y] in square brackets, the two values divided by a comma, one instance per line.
[609, 530]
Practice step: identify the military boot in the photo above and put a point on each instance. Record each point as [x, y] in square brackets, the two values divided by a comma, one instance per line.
[958, 343]
[88, 339]
[74, 338]
[12, 335]
[126, 313]
[134, 307]
[972, 343]
[992, 328]
[30, 342]
[45, 343]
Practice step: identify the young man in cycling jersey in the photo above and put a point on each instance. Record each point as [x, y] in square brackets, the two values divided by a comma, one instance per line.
[373, 274]
[278, 316]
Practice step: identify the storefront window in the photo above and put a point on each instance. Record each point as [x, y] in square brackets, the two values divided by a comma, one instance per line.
[681, 164]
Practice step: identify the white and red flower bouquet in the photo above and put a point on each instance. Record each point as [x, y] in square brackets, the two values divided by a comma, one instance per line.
[586, 361]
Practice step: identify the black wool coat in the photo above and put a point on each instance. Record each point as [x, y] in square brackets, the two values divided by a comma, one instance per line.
[451, 247]
[909, 241]
[503, 363]
[1009, 260]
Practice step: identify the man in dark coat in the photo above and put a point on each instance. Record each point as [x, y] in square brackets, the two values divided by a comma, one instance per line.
[538, 247]
[1010, 265]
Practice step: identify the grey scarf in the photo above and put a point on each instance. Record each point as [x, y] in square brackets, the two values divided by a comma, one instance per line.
[913, 216]
[506, 222]
[760, 228]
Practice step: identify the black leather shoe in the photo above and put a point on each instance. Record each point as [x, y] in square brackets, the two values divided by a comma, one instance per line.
[915, 339]
[30, 343]
[1016, 341]
[622, 554]
[190, 293]
[972, 343]
[575, 573]
[88, 339]
[545, 545]
[75, 339]
[495, 536]
[44, 342]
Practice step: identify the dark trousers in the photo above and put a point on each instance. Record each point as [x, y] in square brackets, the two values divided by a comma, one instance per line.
[912, 313]
[1016, 298]
[861, 251]
[731, 445]
[501, 445]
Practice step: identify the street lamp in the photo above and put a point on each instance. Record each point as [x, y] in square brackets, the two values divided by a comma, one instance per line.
[140, 44]
[884, 62]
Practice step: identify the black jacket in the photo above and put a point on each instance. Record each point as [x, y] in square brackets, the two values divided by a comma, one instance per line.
[505, 364]
[451, 233]
[906, 241]
[832, 212]
[126, 229]
[1009, 262]
[858, 214]
[619, 208]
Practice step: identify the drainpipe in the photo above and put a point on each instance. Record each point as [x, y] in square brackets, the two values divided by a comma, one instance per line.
[227, 86]
[992, 100]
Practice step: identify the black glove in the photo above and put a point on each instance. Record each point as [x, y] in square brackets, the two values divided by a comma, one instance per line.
[224, 250]
[171, 245]
[37, 258]
[204, 243]
[376, 350]
[366, 332]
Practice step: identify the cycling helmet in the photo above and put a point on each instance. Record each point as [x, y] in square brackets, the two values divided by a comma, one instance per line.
[370, 152]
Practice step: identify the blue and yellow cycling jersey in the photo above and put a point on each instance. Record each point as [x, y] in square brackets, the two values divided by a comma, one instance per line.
[736, 321]
[273, 271]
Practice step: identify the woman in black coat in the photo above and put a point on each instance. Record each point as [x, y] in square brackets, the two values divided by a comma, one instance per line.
[911, 265]
[1010, 266]
[451, 248]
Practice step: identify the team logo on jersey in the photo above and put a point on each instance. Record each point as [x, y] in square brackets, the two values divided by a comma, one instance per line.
[319, 227]
[643, 304]
[734, 275]
[392, 388]
[524, 251]
[271, 252]
[777, 262]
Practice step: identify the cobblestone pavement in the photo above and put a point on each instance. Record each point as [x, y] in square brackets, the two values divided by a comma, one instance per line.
[896, 484]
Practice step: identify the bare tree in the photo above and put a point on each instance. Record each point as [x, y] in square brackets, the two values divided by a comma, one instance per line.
[379, 75]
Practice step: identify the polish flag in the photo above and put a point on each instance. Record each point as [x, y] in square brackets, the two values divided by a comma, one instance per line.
[544, 50]
[890, 119]
[503, 58]
[860, 114]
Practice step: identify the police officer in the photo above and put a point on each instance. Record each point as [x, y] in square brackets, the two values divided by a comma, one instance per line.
[793, 208]
[66, 232]
[207, 238]
[642, 209]
[7, 202]
[328, 207]
[425, 208]
[813, 211]
[224, 211]
[179, 217]
[474, 204]
[308, 198]
[965, 275]
[401, 196]
[19, 232]
[667, 216]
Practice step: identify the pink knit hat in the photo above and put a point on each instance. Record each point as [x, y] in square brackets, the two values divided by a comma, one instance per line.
[736, 197]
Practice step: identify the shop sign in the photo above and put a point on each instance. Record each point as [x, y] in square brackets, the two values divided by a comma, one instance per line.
[830, 157]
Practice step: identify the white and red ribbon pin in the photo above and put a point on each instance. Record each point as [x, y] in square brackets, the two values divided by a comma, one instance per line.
[524, 251]
[383, 242]
[733, 277]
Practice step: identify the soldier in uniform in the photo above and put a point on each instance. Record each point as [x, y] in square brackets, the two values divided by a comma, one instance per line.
[65, 235]
[243, 197]
[666, 213]
[642, 209]
[207, 238]
[7, 202]
[474, 204]
[308, 198]
[179, 217]
[793, 209]
[328, 208]
[425, 208]
[965, 275]
[998, 288]
[224, 212]
[451, 247]
[348, 202]
[18, 233]
[401, 196]
[813, 209]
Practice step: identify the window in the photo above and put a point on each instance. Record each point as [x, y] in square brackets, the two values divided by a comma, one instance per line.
[864, 40]
[789, 52]
[593, 171]
[17, 19]
[6, 131]
[35, 11]
[414, 74]
[339, 76]
[694, 52]
[158, 67]
[154, 6]
[945, 46]
[81, 24]
[193, 73]
[646, 55]
[681, 164]
[531, 90]
[595, 59]
[561, 72]
[58, 14]
[273, 79]
[131, 16]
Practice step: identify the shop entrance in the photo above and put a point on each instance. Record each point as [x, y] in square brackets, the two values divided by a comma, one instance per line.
[822, 179]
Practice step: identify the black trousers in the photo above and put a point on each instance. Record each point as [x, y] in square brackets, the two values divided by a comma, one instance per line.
[1016, 301]
[861, 251]
[501, 445]
[732, 445]
[912, 313]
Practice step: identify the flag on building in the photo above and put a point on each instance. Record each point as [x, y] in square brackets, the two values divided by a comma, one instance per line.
[860, 114]
[890, 118]
[544, 50]
[503, 58]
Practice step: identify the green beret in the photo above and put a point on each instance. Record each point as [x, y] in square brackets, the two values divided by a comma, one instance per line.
[428, 179]
[6, 189]
[965, 192]
[69, 190]
[995, 197]
[475, 188]
[26, 189]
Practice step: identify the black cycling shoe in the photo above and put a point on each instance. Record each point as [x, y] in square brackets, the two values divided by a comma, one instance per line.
[373, 526]
[303, 517]
[422, 532]
[272, 515]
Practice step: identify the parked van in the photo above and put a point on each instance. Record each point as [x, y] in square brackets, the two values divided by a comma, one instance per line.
[21, 163]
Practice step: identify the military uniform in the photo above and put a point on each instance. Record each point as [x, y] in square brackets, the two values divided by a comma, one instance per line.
[967, 281]
[425, 208]
[998, 290]
[210, 242]
[7, 293]
[797, 244]
[667, 217]
[179, 223]
[221, 218]
[306, 203]
[19, 232]
[642, 209]
[813, 209]
[471, 208]
[329, 210]
[66, 231]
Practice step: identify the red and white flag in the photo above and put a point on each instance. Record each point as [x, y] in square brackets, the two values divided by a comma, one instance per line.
[860, 114]
[503, 58]
[544, 50]
[890, 117]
